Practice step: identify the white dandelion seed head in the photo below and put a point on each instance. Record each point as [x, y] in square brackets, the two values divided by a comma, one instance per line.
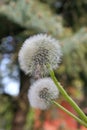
[42, 92]
[39, 50]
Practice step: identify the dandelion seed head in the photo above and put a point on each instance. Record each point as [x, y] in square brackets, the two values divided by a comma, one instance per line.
[39, 50]
[42, 92]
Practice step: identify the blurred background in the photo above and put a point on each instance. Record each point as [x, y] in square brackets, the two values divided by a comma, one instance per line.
[66, 20]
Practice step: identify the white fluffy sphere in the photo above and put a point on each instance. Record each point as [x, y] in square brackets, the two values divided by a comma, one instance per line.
[42, 92]
[39, 50]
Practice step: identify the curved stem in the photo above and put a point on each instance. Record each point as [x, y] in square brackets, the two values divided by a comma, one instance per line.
[68, 98]
[69, 113]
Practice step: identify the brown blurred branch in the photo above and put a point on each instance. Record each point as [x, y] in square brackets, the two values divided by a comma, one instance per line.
[21, 105]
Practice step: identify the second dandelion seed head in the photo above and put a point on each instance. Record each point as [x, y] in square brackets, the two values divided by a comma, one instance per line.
[42, 92]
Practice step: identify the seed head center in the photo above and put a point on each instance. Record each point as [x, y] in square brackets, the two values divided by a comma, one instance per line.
[41, 57]
[44, 94]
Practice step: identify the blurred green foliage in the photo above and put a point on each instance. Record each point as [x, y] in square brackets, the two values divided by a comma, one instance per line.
[6, 112]
[33, 15]
[72, 11]
[75, 52]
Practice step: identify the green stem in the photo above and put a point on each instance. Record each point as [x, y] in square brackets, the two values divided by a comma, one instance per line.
[69, 113]
[68, 98]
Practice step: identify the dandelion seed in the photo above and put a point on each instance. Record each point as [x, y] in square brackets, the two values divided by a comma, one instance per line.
[37, 52]
[42, 92]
